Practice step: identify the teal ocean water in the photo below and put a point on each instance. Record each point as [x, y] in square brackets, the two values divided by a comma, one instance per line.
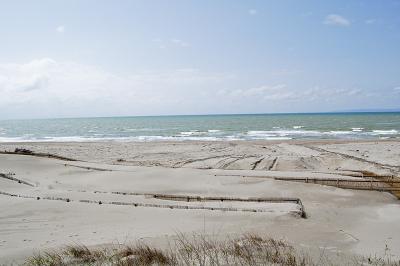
[206, 127]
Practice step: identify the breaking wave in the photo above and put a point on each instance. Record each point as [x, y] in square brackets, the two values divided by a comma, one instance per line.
[217, 135]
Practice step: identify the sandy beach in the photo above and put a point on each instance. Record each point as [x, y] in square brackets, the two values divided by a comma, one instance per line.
[120, 192]
[200, 133]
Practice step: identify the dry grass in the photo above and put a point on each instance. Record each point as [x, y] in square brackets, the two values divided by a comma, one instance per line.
[144, 255]
[47, 258]
[82, 253]
[247, 250]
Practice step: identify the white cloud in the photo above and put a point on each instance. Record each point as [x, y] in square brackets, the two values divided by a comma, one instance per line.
[46, 87]
[164, 44]
[354, 92]
[60, 29]
[24, 77]
[282, 93]
[262, 93]
[253, 12]
[179, 42]
[258, 91]
[336, 20]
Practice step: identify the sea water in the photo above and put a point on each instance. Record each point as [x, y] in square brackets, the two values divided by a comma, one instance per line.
[206, 127]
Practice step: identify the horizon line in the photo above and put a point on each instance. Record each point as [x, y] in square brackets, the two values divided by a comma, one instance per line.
[216, 114]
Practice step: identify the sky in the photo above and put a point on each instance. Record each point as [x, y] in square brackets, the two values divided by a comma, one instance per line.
[70, 58]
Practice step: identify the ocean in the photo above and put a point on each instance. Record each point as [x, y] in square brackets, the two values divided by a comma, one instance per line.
[205, 127]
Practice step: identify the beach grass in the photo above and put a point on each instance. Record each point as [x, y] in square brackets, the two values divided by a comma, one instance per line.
[249, 249]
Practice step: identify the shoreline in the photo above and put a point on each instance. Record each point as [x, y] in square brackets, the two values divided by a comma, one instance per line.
[258, 141]
[184, 138]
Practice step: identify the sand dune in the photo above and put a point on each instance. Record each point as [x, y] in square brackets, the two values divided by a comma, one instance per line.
[118, 192]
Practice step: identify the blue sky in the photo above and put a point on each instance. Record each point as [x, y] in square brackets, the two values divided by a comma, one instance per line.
[104, 58]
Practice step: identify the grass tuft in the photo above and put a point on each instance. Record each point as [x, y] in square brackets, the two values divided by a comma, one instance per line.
[46, 259]
[82, 253]
[247, 250]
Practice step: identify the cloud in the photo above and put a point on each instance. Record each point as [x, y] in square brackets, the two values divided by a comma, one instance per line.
[180, 43]
[24, 77]
[282, 93]
[60, 29]
[164, 44]
[253, 12]
[46, 87]
[264, 93]
[336, 20]
[260, 91]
